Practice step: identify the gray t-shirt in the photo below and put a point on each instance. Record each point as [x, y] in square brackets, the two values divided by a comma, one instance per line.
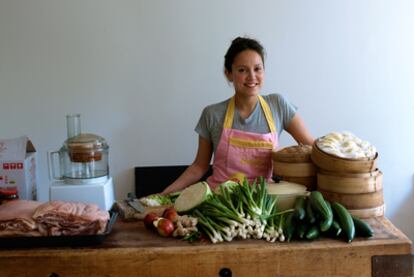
[210, 124]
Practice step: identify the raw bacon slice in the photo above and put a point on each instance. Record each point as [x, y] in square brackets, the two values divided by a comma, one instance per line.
[57, 218]
[16, 218]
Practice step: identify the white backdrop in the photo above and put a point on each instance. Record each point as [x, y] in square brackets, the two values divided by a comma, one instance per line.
[140, 73]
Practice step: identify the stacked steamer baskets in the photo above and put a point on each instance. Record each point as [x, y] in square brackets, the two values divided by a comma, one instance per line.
[347, 173]
[294, 164]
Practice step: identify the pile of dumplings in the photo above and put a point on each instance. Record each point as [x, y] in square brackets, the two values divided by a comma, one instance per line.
[346, 145]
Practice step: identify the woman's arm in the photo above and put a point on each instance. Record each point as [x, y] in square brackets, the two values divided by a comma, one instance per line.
[299, 132]
[196, 170]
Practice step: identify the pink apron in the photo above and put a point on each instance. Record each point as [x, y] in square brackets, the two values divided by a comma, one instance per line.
[243, 152]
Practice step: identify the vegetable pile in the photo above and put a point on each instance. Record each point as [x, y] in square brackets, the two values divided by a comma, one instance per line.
[313, 217]
[172, 224]
[242, 211]
[248, 211]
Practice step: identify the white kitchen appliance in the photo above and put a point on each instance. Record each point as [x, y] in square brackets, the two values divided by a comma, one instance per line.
[79, 170]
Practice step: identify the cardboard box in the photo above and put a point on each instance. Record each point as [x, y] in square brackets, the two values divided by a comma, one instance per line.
[18, 168]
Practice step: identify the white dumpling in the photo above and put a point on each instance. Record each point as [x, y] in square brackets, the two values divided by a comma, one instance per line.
[358, 141]
[365, 144]
[370, 151]
[335, 136]
[349, 150]
[348, 135]
[346, 145]
[349, 144]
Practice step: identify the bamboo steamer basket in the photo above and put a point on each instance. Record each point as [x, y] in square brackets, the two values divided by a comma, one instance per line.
[329, 162]
[294, 164]
[360, 193]
[355, 201]
[294, 169]
[368, 213]
[293, 154]
[346, 183]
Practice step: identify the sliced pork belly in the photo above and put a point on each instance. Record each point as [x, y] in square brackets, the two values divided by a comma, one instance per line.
[16, 218]
[57, 218]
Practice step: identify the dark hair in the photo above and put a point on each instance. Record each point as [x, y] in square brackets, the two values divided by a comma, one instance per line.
[238, 45]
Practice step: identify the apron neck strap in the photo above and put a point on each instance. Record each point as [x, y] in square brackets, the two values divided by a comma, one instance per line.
[268, 115]
[228, 119]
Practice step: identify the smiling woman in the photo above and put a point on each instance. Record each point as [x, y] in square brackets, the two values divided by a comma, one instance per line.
[242, 131]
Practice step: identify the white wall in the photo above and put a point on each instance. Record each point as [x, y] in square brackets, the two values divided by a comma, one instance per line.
[140, 72]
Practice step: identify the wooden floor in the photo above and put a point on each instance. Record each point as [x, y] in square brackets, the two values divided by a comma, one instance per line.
[131, 250]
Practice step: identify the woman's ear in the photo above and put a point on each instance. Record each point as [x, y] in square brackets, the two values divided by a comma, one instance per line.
[228, 75]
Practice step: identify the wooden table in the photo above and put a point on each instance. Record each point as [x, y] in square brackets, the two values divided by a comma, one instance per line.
[131, 250]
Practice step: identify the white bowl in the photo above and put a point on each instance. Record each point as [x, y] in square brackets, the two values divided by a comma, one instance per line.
[286, 193]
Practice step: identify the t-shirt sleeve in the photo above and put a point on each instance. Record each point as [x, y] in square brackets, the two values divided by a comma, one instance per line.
[202, 125]
[284, 109]
[288, 109]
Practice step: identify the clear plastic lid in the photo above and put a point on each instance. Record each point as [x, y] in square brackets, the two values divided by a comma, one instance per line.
[86, 147]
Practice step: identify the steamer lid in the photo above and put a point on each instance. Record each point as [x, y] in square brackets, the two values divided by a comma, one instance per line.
[295, 153]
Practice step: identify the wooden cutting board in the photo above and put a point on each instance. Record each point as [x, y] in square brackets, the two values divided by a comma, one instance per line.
[128, 213]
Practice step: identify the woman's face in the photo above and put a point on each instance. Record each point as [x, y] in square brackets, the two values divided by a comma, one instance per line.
[247, 73]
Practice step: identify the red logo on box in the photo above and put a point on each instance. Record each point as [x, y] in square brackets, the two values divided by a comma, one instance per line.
[11, 166]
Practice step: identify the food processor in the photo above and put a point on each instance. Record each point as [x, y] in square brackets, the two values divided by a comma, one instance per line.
[79, 170]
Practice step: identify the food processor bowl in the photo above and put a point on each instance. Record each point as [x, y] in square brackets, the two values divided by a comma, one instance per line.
[82, 157]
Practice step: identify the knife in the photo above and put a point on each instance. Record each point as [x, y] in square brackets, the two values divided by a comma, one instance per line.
[134, 203]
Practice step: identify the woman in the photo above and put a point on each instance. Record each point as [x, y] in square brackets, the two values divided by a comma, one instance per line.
[242, 131]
